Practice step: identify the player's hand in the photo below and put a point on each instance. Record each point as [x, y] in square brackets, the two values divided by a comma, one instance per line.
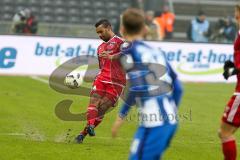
[228, 64]
[105, 54]
[225, 74]
[229, 69]
[229, 72]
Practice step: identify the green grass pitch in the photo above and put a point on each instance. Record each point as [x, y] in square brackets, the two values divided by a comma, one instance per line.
[30, 130]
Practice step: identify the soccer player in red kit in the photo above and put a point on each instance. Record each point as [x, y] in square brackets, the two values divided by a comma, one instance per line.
[231, 117]
[110, 81]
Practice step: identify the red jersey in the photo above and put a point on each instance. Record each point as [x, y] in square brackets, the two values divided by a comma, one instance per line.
[111, 70]
[237, 60]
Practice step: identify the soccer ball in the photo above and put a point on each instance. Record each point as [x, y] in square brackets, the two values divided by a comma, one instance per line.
[73, 80]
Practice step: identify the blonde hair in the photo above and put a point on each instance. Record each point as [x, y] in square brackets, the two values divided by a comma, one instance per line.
[133, 20]
[238, 7]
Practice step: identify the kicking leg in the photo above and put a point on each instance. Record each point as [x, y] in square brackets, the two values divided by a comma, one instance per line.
[92, 114]
[105, 106]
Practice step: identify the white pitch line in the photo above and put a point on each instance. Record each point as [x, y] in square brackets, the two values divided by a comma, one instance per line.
[12, 134]
[39, 79]
[59, 86]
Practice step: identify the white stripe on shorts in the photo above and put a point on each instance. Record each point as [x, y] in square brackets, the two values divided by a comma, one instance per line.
[113, 83]
[236, 93]
[234, 109]
[92, 108]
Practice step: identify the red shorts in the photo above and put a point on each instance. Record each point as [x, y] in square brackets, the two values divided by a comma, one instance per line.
[232, 111]
[109, 90]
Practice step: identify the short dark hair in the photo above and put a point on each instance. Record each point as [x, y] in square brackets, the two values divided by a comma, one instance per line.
[201, 13]
[103, 22]
[133, 20]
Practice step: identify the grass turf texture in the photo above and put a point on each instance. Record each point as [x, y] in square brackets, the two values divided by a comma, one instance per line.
[29, 128]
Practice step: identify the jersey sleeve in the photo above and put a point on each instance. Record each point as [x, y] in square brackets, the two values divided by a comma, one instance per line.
[237, 59]
[177, 91]
[127, 104]
[171, 72]
[177, 86]
[119, 42]
[99, 63]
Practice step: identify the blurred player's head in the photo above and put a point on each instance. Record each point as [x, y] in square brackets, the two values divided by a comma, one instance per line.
[133, 23]
[166, 9]
[27, 12]
[149, 16]
[104, 29]
[237, 13]
[201, 16]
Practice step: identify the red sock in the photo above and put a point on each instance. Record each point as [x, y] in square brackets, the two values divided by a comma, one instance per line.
[92, 114]
[98, 121]
[229, 150]
[84, 132]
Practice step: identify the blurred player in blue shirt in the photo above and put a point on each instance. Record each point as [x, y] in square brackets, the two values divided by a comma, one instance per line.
[152, 86]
